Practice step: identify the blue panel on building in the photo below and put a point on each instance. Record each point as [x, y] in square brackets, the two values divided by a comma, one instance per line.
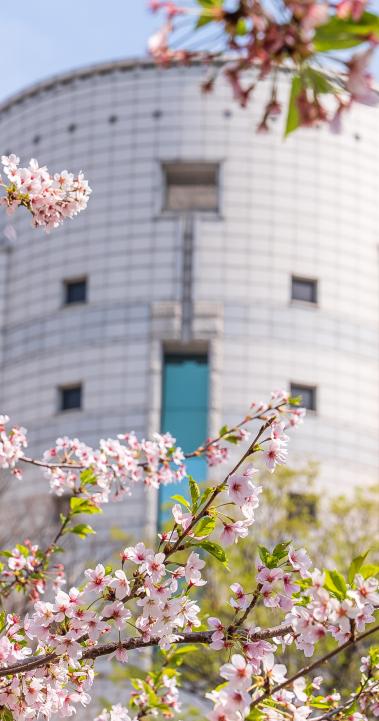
[185, 412]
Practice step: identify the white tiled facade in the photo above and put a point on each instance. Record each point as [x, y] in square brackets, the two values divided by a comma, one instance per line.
[307, 206]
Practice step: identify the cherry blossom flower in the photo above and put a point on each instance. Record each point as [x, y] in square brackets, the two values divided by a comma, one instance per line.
[98, 579]
[120, 584]
[50, 199]
[238, 672]
[240, 486]
[300, 561]
[241, 600]
[193, 570]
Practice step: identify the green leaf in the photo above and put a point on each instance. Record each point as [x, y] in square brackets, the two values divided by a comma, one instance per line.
[179, 657]
[318, 81]
[223, 431]
[82, 530]
[183, 501]
[255, 715]
[232, 439]
[205, 495]
[315, 703]
[194, 491]
[87, 477]
[355, 566]
[5, 715]
[214, 549]
[203, 20]
[369, 569]
[265, 556]
[185, 649]
[293, 116]
[340, 41]
[205, 526]
[281, 550]
[335, 584]
[23, 550]
[294, 400]
[83, 505]
[338, 34]
[241, 27]
[210, 4]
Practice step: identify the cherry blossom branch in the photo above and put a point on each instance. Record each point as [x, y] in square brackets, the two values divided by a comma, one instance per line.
[44, 464]
[5, 591]
[315, 664]
[192, 637]
[200, 450]
[347, 704]
[197, 517]
[251, 605]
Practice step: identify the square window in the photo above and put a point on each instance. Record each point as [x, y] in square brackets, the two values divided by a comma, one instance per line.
[307, 393]
[191, 186]
[70, 397]
[75, 291]
[302, 506]
[304, 289]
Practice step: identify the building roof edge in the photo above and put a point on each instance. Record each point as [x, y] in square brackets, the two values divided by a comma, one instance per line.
[86, 71]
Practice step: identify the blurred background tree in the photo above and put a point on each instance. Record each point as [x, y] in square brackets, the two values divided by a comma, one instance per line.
[335, 529]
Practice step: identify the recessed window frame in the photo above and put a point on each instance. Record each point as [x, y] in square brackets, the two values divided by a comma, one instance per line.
[64, 406]
[306, 281]
[298, 389]
[70, 282]
[187, 165]
[302, 506]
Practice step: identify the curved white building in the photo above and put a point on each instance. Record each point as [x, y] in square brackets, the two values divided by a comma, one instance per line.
[201, 238]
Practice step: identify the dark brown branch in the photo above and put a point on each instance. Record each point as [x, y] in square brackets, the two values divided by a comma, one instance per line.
[203, 637]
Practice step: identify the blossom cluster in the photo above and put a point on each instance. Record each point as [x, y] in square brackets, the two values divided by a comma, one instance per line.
[23, 567]
[320, 609]
[152, 598]
[297, 35]
[50, 198]
[325, 613]
[12, 443]
[75, 622]
[115, 466]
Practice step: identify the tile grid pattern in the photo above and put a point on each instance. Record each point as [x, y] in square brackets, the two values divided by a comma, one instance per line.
[305, 207]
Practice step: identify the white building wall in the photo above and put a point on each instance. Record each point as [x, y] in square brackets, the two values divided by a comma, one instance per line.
[306, 206]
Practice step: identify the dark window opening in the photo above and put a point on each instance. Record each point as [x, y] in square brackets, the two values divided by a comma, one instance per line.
[307, 393]
[70, 397]
[71, 128]
[75, 291]
[191, 186]
[304, 289]
[302, 506]
[113, 119]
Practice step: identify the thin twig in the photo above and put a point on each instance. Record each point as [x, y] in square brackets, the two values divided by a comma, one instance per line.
[315, 664]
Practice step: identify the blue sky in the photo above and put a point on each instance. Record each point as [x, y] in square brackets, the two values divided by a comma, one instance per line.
[44, 37]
